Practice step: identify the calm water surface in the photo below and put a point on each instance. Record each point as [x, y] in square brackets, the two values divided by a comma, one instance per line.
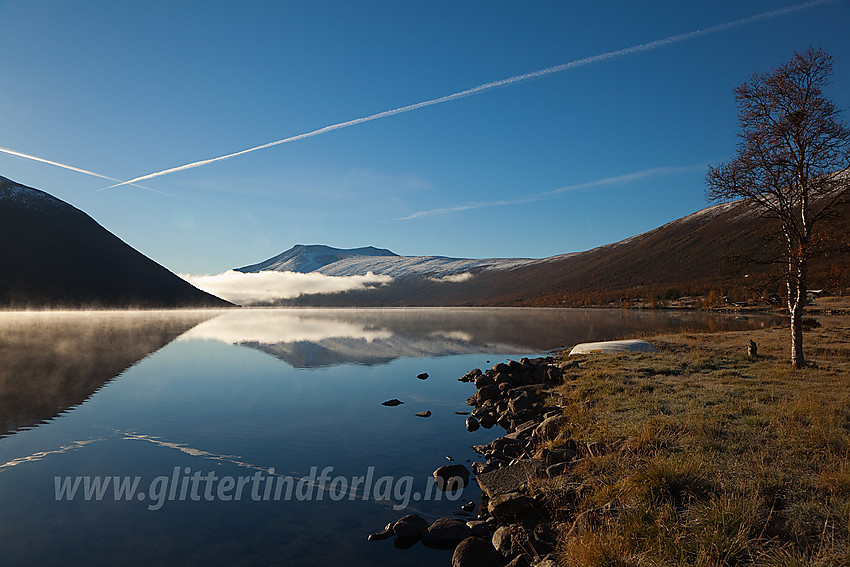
[233, 394]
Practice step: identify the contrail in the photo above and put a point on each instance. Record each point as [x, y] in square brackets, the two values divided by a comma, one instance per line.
[492, 85]
[79, 170]
[534, 197]
[57, 164]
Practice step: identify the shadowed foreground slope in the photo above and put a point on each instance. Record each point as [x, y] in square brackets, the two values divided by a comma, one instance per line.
[53, 255]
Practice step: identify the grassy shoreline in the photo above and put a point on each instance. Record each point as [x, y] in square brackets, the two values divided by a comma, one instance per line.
[703, 456]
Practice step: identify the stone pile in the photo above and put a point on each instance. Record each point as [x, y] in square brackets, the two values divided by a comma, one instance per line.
[515, 526]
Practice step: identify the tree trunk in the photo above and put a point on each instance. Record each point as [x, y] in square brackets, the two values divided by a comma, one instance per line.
[796, 307]
[797, 359]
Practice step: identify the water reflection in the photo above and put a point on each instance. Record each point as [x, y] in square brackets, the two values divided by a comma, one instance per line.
[311, 338]
[204, 403]
[52, 361]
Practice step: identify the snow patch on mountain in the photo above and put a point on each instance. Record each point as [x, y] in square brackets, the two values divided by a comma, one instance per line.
[26, 195]
[360, 261]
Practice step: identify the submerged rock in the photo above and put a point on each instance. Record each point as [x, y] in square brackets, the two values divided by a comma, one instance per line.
[423, 376]
[393, 402]
[446, 475]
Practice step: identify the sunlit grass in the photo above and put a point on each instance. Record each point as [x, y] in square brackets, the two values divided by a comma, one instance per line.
[712, 458]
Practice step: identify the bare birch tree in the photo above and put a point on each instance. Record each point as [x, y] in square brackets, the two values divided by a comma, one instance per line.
[791, 165]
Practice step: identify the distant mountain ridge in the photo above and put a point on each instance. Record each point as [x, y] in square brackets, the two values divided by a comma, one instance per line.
[53, 255]
[380, 261]
[693, 255]
[313, 257]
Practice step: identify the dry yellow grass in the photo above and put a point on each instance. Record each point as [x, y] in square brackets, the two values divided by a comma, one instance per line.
[711, 457]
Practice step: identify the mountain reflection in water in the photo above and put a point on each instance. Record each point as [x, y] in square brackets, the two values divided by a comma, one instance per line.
[312, 338]
[53, 361]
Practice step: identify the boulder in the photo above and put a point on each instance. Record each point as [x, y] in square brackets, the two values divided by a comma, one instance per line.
[507, 540]
[426, 413]
[476, 552]
[479, 528]
[510, 505]
[483, 380]
[392, 402]
[423, 376]
[510, 478]
[525, 428]
[487, 420]
[445, 476]
[480, 468]
[550, 428]
[472, 424]
[489, 392]
[446, 533]
[519, 561]
[471, 375]
[386, 533]
[503, 378]
[410, 526]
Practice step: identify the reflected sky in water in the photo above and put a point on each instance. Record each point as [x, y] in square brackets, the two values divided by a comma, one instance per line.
[140, 394]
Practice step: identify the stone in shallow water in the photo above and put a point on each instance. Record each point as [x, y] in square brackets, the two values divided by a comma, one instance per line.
[426, 413]
[392, 402]
[410, 526]
[386, 533]
[449, 476]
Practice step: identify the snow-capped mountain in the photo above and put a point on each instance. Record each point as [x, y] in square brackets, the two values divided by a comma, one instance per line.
[688, 256]
[360, 261]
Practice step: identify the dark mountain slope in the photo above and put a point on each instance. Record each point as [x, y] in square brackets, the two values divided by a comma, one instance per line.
[53, 255]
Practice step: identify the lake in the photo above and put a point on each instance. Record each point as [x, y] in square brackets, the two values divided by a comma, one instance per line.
[254, 436]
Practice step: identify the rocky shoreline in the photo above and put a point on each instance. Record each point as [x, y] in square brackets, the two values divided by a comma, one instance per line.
[515, 526]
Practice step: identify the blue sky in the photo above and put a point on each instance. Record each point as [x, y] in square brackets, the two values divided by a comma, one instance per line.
[127, 89]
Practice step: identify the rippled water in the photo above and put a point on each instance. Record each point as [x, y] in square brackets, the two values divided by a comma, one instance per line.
[215, 395]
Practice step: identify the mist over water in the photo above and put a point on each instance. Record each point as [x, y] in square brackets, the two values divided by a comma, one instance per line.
[238, 392]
